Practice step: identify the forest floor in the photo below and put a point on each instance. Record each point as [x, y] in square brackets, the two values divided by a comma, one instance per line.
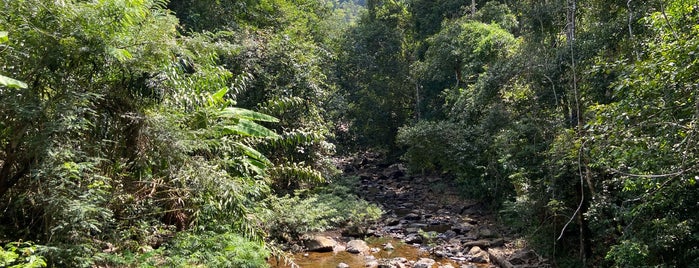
[426, 223]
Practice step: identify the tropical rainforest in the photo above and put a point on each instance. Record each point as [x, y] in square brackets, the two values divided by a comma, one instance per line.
[185, 133]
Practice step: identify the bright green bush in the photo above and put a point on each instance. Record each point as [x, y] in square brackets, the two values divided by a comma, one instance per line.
[21, 255]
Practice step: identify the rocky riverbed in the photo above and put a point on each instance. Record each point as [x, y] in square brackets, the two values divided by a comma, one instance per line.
[425, 224]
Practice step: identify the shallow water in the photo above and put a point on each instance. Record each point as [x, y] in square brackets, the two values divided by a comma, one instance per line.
[332, 259]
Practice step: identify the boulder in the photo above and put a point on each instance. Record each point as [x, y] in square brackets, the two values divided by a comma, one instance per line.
[412, 217]
[478, 255]
[413, 238]
[486, 233]
[524, 257]
[394, 171]
[320, 244]
[357, 246]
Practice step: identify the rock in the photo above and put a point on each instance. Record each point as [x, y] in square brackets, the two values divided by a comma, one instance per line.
[343, 265]
[486, 233]
[468, 266]
[320, 244]
[412, 230]
[462, 228]
[357, 246]
[498, 258]
[524, 257]
[394, 171]
[413, 238]
[424, 263]
[478, 255]
[469, 220]
[372, 264]
[412, 217]
[446, 266]
[392, 221]
[485, 243]
[388, 246]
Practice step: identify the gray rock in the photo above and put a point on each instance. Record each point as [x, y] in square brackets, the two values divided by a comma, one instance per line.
[462, 228]
[424, 263]
[392, 221]
[357, 246]
[413, 238]
[320, 244]
[486, 233]
[394, 171]
[485, 243]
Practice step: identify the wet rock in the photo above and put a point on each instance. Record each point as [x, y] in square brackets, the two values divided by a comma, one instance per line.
[320, 244]
[478, 255]
[424, 263]
[357, 246]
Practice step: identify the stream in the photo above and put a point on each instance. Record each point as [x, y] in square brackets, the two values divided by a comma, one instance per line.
[426, 222]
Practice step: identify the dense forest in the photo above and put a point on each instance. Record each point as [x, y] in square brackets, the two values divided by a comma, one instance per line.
[185, 133]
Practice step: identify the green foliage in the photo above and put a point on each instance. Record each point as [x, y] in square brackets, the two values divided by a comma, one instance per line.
[333, 205]
[21, 255]
[210, 249]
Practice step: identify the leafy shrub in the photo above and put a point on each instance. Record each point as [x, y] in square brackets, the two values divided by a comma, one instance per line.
[332, 205]
[21, 255]
[215, 250]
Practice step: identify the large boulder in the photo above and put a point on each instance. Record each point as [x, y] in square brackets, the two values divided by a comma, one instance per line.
[320, 244]
[477, 255]
[357, 246]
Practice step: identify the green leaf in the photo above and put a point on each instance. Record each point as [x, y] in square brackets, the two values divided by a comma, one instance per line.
[13, 83]
[254, 154]
[3, 37]
[251, 129]
[218, 96]
[240, 113]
